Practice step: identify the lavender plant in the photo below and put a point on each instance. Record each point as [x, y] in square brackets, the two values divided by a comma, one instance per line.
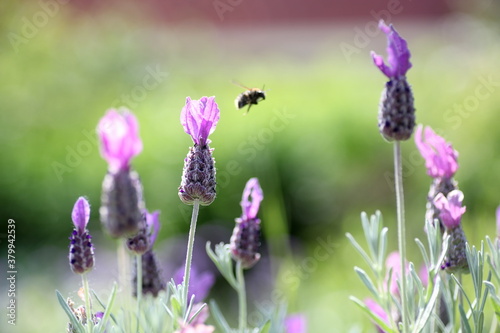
[433, 299]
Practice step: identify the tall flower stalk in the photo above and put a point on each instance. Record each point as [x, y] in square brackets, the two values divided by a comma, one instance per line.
[199, 119]
[81, 252]
[396, 122]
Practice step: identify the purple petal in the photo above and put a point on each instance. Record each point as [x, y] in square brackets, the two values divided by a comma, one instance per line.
[120, 141]
[199, 283]
[440, 157]
[254, 191]
[153, 223]
[81, 213]
[296, 323]
[398, 54]
[393, 262]
[199, 118]
[450, 207]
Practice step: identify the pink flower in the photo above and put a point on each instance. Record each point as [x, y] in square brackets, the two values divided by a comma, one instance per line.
[198, 328]
[440, 157]
[377, 310]
[199, 118]
[450, 207]
[120, 141]
[398, 54]
[296, 323]
[393, 262]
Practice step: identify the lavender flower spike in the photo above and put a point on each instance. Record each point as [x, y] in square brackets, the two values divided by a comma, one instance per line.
[121, 200]
[81, 250]
[199, 118]
[450, 207]
[119, 135]
[245, 241]
[440, 157]
[396, 117]
[398, 54]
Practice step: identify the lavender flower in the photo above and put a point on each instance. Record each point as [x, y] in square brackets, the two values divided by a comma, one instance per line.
[196, 328]
[152, 282]
[81, 250]
[396, 112]
[245, 241]
[121, 201]
[440, 157]
[296, 323]
[199, 119]
[200, 283]
[451, 212]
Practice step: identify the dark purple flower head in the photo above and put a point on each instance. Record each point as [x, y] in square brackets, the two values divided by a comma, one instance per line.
[398, 54]
[296, 323]
[153, 225]
[120, 141]
[252, 197]
[199, 118]
[199, 283]
[450, 208]
[80, 214]
[440, 157]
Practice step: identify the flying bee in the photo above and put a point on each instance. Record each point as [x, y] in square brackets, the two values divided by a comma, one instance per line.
[249, 97]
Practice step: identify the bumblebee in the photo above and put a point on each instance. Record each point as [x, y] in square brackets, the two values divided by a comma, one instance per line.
[249, 97]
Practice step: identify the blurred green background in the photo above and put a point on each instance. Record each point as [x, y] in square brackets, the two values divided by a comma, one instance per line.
[313, 143]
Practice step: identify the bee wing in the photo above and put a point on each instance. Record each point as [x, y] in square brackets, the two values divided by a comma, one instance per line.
[239, 84]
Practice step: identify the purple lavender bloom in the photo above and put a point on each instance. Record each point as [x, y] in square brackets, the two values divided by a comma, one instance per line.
[119, 135]
[398, 54]
[450, 212]
[81, 249]
[296, 323]
[199, 283]
[450, 207]
[376, 309]
[440, 157]
[199, 118]
[245, 241]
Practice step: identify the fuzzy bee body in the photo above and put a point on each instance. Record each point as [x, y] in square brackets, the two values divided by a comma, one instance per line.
[249, 97]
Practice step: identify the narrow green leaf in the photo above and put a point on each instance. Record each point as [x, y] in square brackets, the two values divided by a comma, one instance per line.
[266, 328]
[107, 309]
[425, 315]
[462, 290]
[463, 319]
[219, 317]
[367, 281]
[72, 318]
[378, 321]
[360, 250]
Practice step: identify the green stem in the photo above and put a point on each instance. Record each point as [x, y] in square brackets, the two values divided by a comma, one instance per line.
[189, 255]
[88, 309]
[242, 297]
[398, 175]
[139, 288]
